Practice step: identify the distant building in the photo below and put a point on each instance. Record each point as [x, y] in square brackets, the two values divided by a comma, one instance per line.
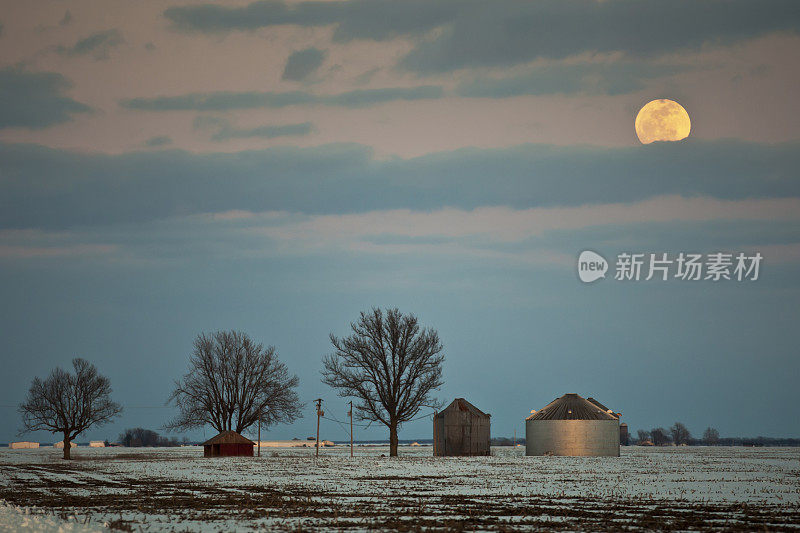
[23, 445]
[461, 429]
[573, 426]
[97, 444]
[227, 444]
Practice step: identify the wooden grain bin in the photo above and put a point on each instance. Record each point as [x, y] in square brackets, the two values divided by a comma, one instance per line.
[461, 429]
[228, 444]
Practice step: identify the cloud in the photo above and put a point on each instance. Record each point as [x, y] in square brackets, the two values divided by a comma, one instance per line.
[355, 19]
[98, 45]
[507, 32]
[47, 188]
[226, 101]
[520, 31]
[224, 130]
[492, 225]
[26, 251]
[581, 78]
[35, 99]
[159, 140]
[302, 64]
[533, 235]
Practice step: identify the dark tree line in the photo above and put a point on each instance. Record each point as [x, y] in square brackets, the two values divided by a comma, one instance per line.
[140, 437]
[680, 435]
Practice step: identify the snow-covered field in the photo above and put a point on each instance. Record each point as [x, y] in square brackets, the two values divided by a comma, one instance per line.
[644, 489]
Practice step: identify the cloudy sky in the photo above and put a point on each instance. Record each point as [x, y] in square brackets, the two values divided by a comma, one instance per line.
[169, 168]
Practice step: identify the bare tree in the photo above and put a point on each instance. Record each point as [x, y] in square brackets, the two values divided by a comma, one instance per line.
[680, 434]
[711, 436]
[233, 383]
[642, 436]
[69, 403]
[659, 436]
[390, 365]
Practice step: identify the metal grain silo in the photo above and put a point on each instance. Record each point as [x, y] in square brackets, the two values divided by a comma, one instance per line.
[461, 429]
[571, 425]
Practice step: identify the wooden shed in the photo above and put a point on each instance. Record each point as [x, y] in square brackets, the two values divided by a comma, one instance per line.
[461, 429]
[228, 444]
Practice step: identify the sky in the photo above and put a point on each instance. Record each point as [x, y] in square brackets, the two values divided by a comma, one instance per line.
[276, 167]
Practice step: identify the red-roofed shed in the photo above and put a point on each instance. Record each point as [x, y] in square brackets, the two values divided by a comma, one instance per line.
[228, 444]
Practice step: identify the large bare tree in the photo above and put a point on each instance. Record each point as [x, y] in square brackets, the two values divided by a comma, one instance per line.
[388, 363]
[232, 383]
[69, 403]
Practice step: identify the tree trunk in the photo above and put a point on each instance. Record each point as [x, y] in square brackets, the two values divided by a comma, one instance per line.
[393, 439]
[66, 447]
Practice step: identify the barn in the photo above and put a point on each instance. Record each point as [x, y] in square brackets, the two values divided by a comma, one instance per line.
[461, 429]
[572, 426]
[228, 444]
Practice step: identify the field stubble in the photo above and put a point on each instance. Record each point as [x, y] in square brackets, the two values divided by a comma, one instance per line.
[727, 489]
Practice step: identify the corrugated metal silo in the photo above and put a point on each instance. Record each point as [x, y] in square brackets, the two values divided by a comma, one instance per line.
[571, 425]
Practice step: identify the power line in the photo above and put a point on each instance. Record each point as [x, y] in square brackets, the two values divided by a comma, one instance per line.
[125, 406]
[429, 415]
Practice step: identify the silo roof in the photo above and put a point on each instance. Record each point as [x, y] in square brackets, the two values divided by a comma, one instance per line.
[571, 407]
[460, 404]
[603, 407]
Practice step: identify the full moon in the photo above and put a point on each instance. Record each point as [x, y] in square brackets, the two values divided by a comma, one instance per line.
[662, 120]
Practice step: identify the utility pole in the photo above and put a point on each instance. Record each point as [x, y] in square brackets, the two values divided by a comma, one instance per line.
[435, 435]
[351, 428]
[515, 437]
[319, 414]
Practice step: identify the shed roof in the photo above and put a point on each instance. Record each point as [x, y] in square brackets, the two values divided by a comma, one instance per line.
[460, 404]
[228, 437]
[571, 407]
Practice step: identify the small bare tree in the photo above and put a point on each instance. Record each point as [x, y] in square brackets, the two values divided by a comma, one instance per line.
[69, 403]
[711, 436]
[659, 436]
[232, 383]
[390, 365]
[642, 436]
[680, 434]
